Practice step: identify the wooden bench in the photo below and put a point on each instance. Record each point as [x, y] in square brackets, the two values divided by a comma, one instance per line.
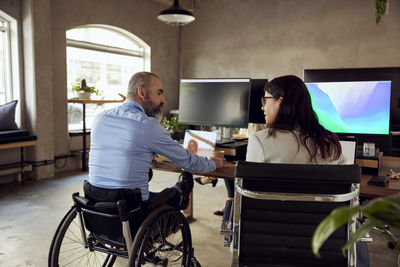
[16, 139]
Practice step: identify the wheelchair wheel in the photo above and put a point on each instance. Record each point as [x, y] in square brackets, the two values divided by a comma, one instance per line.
[68, 248]
[163, 239]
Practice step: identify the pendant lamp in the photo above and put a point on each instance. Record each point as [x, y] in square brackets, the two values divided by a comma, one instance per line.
[176, 15]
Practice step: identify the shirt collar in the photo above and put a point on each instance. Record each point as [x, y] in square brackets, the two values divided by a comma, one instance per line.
[133, 103]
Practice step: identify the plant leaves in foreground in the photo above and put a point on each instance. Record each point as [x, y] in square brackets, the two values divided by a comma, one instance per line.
[337, 218]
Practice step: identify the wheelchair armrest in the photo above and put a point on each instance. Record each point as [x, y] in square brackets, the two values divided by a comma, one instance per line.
[81, 200]
[105, 205]
[226, 225]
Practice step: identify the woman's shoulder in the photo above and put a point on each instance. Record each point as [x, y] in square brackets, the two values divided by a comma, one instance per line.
[277, 134]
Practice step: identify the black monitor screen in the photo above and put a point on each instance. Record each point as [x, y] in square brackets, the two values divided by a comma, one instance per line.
[214, 102]
[256, 115]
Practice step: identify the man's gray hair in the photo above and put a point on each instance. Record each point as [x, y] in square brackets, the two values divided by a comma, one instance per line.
[139, 79]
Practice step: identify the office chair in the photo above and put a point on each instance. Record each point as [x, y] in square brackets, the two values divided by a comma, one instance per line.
[277, 208]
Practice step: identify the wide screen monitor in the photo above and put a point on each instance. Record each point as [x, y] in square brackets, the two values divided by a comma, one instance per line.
[214, 102]
[364, 74]
[352, 107]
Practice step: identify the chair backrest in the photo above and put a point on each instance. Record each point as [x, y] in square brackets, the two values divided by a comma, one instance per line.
[104, 224]
[106, 209]
[278, 207]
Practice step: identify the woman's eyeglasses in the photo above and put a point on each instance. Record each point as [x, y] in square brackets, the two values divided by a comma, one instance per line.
[264, 99]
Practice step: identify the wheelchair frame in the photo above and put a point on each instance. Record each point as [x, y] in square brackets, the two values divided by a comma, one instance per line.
[138, 251]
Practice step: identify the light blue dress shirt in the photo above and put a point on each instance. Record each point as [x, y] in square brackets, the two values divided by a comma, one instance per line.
[124, 140]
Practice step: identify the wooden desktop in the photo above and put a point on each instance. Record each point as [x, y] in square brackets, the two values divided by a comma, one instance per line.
[393, 186]
[367, 191]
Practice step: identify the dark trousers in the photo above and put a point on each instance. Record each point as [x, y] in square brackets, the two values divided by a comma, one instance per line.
[133, 198]
[230, 187]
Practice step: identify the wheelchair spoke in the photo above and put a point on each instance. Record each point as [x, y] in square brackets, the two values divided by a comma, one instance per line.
[69, 246]
[164, 245]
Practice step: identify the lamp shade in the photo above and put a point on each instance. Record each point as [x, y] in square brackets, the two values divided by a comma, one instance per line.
[175, 15]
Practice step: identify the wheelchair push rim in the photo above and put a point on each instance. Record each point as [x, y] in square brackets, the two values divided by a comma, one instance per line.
[163, 239]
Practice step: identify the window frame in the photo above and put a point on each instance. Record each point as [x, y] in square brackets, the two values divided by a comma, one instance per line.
[8, 94]
[13, 92]
[143, 52]
[111, 49]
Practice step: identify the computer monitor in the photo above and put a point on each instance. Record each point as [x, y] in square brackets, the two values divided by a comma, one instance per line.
[352, 107]
[256, 115]
[214, 102]
[364, 74]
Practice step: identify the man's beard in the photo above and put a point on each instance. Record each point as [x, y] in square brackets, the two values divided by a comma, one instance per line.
[151, 109]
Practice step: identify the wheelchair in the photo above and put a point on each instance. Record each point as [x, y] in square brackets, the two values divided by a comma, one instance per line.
[95, 234]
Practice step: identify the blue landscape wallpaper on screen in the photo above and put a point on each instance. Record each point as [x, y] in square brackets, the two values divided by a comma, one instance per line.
[352, 107]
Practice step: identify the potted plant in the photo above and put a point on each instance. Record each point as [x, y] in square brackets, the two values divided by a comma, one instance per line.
[173, 127]
[382, 8]
[379, 213]
[82, 90]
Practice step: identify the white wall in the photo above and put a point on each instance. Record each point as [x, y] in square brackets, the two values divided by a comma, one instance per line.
[270, 38]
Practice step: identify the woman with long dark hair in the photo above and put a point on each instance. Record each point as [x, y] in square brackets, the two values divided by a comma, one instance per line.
[293, 133]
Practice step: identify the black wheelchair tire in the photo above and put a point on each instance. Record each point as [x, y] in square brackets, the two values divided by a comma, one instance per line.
[70, 223]
[194, 263]
[143, 235]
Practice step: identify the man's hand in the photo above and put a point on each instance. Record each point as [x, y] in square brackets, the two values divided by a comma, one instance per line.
[155, 158]
[219, 162]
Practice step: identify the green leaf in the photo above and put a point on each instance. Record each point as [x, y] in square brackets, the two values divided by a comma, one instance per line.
[171, 125]
[360, 232]
[389, 236]
[380, 6]
[385, 210]
[337, 218]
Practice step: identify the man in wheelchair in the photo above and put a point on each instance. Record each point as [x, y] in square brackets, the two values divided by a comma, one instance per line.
[124, 141]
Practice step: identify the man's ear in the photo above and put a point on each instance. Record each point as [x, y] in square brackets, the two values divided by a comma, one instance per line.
[141, 93]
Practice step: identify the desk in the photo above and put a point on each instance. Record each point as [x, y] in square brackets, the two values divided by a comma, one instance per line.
[84, 102]
[225, 173]
[366, 190]
[392, 188]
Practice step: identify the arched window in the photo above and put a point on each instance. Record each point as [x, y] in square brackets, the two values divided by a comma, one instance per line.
[106, 57]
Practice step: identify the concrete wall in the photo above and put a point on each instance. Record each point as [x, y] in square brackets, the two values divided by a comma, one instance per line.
[44, 23]
[230, 38]
[269, 38]
[135, 16]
